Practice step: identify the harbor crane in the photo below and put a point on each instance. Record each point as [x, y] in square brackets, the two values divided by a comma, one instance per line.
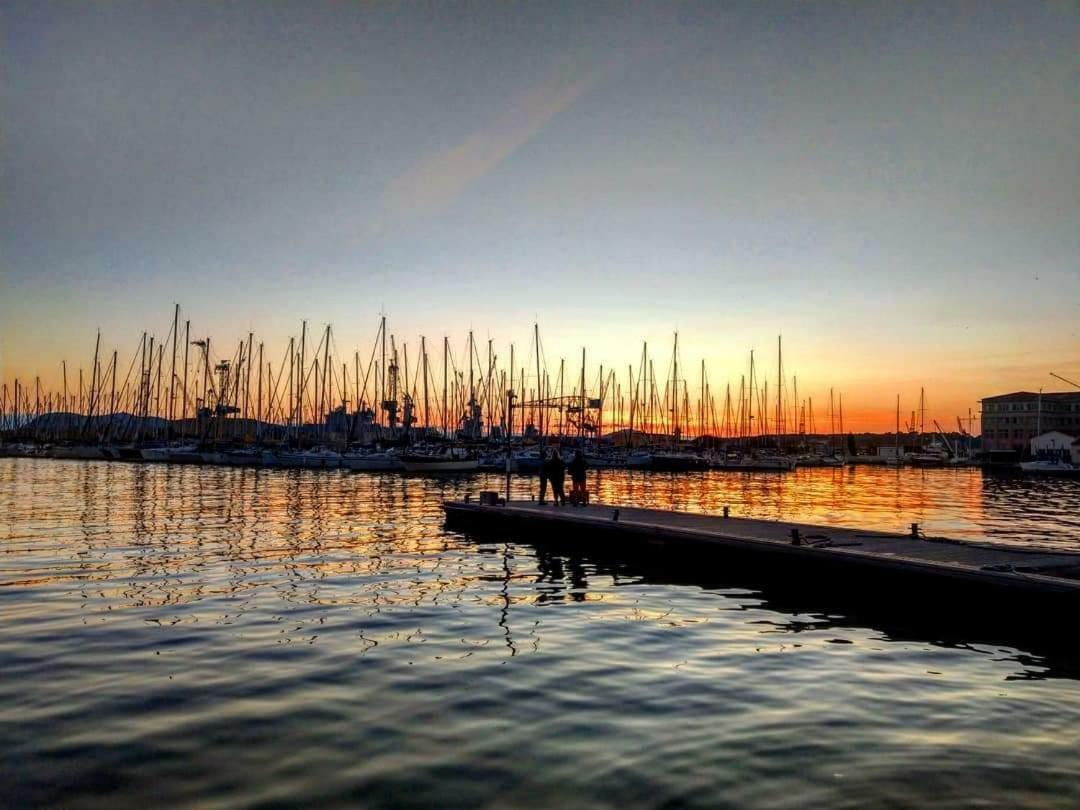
[1070, 382]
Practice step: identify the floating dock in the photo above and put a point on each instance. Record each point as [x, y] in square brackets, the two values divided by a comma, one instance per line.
[859, 558]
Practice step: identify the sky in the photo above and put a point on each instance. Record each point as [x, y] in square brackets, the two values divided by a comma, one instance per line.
[893, 187]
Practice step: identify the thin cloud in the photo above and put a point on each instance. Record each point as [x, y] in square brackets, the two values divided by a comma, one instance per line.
[436, 181]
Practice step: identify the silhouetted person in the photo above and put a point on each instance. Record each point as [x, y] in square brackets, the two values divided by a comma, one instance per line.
[545, 468]
[577, 477]
[557, 474]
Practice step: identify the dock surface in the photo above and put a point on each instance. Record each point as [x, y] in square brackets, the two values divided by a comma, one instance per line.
[974, 563]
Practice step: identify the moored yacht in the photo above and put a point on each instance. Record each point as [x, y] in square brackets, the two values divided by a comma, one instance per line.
[370, 461]
[439, 460]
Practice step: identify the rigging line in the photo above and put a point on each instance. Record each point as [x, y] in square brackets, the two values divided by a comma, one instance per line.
[123, 390]
[281, 379]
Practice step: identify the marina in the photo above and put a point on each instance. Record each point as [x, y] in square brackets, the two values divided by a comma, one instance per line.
[497, 413]
[181, 400]
[539, 405]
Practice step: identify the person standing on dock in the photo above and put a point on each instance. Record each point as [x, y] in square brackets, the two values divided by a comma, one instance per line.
[578, 496]
[545, 468]
[557, 474]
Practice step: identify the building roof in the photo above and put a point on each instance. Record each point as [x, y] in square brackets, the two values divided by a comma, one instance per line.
[1045, 433]
[1017, 395]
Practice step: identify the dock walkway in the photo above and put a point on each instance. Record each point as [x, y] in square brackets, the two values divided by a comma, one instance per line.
[805, 545]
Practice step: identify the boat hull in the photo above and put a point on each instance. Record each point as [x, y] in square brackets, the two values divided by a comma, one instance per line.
[440, 467]
[309, 461]
[1043, 468]
[662, 463]
[77, 452]
[376, 462]
[757, 465]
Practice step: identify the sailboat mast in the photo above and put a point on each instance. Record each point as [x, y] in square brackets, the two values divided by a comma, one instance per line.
[259, 401]
[445, 403]
[325, 393]
[779, 387]
[172, 367]
[112, 394]
[897, 448]
[301, 374]
[472, 389]
[93, 386]
[382, 333]
[841, 418]
[600, 416]
[675, 392]
[247, 379]
[750, 398]
[157, 383]
[832, 422]
[539, 384]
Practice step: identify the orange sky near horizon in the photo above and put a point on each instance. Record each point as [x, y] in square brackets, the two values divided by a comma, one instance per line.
[867, 378]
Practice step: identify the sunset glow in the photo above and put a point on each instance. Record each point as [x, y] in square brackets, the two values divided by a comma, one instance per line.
[899, 206]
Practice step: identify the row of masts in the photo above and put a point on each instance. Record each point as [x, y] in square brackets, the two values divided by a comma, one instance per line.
[185, 384]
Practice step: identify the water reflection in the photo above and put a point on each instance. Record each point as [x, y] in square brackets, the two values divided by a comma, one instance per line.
[1033, 641]
[190, 635]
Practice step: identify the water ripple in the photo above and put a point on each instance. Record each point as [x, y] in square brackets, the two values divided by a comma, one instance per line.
[230, 637]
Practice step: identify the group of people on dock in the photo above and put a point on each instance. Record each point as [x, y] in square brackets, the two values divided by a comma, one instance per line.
[553, 470]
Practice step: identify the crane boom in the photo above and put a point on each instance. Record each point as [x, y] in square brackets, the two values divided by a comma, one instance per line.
[1070, 382]
[945, 439]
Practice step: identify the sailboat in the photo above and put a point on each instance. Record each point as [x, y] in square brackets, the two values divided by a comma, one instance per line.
[362, 460]
[315, 458]
[444, 459]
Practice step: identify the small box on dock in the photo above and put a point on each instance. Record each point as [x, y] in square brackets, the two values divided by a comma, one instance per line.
[489, 497]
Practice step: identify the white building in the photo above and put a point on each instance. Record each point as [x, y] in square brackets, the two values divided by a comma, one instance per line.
[1052, 445]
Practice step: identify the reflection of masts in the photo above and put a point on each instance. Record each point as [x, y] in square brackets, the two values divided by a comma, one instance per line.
[504, 613]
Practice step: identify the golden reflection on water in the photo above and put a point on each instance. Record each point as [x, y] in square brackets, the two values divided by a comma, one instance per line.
[317, 620]
[143, 532]
[215, 544]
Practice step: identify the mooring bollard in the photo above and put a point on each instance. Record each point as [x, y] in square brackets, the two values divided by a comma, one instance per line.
[795, 539]
[915, 530]
[725, 511]
[615, 516]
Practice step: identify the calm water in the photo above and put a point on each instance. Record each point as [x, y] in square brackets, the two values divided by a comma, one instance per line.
[231, 637]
